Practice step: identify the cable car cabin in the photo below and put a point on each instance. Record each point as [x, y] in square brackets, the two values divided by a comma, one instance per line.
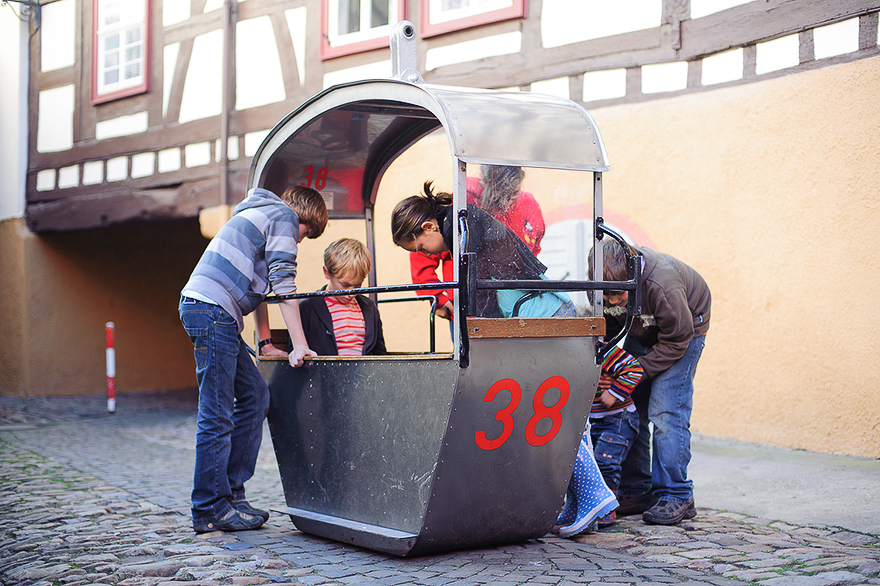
[418, 452]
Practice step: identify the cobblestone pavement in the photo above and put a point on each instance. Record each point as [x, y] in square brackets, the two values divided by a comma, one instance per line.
[88, 498]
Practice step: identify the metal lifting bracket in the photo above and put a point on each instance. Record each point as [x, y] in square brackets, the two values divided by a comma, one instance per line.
[403, 53]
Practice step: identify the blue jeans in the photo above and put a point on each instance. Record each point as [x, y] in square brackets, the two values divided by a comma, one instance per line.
[612, 436]
[666, 401]
[567, 309]
[233, 402]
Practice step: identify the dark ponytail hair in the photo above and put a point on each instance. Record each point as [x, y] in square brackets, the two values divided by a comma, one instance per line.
[410, 213]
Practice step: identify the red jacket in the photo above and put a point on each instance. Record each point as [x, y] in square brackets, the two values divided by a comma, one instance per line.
[523, 217]
[424, 270]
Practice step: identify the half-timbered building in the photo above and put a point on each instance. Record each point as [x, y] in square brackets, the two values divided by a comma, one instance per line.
[742, 137]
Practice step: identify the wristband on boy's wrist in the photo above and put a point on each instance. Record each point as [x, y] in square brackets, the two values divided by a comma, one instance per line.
[264, 342]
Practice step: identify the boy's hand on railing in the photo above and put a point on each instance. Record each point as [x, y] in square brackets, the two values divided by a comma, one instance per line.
[299, 352]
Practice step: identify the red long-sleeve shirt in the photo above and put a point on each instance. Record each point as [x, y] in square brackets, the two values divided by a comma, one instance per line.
[423, 268]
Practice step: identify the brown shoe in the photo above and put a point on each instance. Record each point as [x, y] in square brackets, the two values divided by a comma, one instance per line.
[231, 521]
[245, 507]
[669, 513]
[635, 505]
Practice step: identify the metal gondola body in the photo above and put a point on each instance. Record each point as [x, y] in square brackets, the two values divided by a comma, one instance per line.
[412, 454]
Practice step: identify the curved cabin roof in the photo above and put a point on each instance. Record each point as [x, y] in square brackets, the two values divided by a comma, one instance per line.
[342, 140]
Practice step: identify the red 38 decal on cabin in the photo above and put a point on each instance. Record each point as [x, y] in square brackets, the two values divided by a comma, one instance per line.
[320, 178]
[541, 411]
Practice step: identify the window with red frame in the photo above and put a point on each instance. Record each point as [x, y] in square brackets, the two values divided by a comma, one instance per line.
[120, 48]
[354, 26]
[443, 16]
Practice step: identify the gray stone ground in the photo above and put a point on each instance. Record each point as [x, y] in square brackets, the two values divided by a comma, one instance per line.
[88, 498]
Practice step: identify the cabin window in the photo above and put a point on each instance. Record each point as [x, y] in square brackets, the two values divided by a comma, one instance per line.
[353, 26]
[443, 16]
[120, 48]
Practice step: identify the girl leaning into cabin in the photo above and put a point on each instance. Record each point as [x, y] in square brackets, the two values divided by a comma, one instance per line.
[425, 223]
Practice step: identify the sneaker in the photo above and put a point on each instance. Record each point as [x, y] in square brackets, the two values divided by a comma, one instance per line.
[243, 506]
[635, 505]
[669, 513]
[231, 521]
[607, 520]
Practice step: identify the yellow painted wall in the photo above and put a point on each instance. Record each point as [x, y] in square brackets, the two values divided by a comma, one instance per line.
[12, 308]
[770, 190]
[68, 285]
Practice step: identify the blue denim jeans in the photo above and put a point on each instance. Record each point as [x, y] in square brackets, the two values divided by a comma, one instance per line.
[666, 401]
[233, 402]
[567, 309]
[612, 436]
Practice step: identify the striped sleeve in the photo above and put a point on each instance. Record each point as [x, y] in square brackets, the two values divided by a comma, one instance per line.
[625, 370]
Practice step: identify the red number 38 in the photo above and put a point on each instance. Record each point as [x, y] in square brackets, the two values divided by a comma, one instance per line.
[541, 411]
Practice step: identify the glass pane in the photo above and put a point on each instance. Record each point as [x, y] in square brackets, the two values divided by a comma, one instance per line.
[446, 10]
[111, 76]
[380, 13]
[133, 53]
[110, 13]
[349, 16]
[111, 59]
[133, 71]
[133, 35]
[517, 227]
[111, 42]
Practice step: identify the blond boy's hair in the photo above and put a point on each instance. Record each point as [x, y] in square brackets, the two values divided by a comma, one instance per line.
[348, 256]
[309, 206]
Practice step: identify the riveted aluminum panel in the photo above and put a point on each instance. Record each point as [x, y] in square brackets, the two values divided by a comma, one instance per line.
[384, 453]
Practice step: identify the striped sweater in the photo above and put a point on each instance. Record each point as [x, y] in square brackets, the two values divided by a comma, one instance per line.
[626, 372]
[253, 253]
[349, 328]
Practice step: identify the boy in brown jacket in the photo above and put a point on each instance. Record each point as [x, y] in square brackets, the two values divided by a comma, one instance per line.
[668, 341]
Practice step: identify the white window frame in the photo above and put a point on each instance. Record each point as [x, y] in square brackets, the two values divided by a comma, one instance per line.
[439, 18]
[336, 44]
[133, 15]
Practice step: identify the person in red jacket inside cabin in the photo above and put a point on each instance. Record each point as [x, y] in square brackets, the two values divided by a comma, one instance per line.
[498, 191]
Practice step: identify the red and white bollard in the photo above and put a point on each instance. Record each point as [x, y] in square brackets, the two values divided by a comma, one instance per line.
[111, 369]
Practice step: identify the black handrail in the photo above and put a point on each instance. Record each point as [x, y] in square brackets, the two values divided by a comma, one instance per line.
[361, 290]
[433, 300]
[467, 295]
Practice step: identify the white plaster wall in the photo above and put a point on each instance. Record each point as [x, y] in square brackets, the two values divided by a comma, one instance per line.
[57, 35]
[122, 125]
[700, 8]
[564, 22]
[503, 44]
[169, 57]
[257, 65]
[377, 70]
[202, 89]
[55, 119]
[13, 116]
[175, 11]
[296, 23]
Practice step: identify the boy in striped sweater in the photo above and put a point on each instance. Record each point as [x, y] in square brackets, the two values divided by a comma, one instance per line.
[252, 254]
[614, 423]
